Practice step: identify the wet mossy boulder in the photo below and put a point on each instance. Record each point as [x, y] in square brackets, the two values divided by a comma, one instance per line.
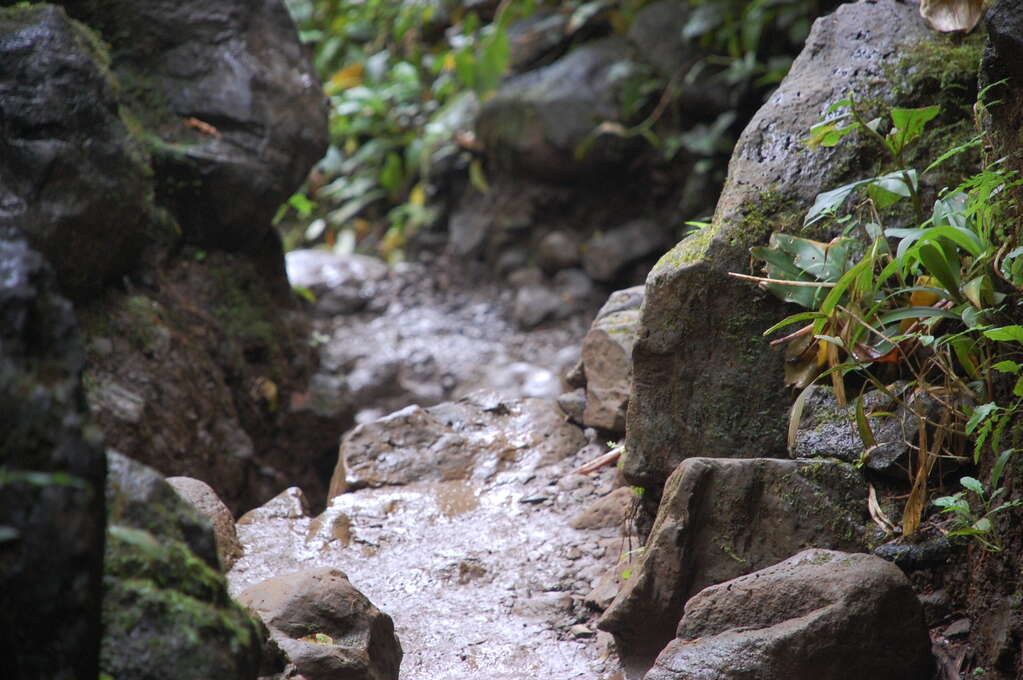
[227, 101]
[51, 479]
[706, 381]
[72, 175]
[722, 518]
[167, 614]
[166, 609]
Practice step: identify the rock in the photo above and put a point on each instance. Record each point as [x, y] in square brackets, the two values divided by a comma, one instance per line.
[573, 404]
[937, 606]
[820, 614]
[288, 504]
[721, 518]
[958, 628]
[166, 610]
[167, 614]
[827, 431]
[204, 499]
[536, 304]
[139, 497]
[72, 176]
[341, 284]
[731, 400]
[52, 519]
[607, 357]
[535, 37]
[606, 254]
[535, 122]
[574, 288]
[605, 588]
[326, 627]
[211, 338]
[473, 438]
[558, 250]
[606, 512]
[232, 105]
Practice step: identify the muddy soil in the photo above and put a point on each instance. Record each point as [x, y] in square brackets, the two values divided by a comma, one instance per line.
[485, 578]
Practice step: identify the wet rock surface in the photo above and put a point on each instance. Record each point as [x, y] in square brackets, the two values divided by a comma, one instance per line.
[483, 577]
[820, 614]
[426, 333]
[327, 628]
[166, 610]
[51, 500]
[82, 201]
[721, 518]
[235, 107]
[477, 438]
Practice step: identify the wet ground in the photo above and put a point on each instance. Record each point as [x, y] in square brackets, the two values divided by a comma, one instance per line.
[483, 578]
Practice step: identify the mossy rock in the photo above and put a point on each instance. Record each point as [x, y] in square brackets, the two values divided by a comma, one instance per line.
[706, 381]
[167, 614]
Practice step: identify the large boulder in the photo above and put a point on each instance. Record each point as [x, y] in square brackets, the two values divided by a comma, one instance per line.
[722, 518]
[52, 472]
[326, 627]
[706, 382]
[166, 610]
[473, 438]
[537, 120]
[819, 614]
[72, 176]
[231, 107]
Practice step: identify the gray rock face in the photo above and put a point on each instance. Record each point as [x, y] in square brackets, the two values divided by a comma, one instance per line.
[473, 438]
[167, 614]
[606, 254]
[235, 107]
[535, 122]
[72, 177]
[203, 498]
[819, 614]
[700, 347]
[139, 497]
[51, 523]
[607, 360]
[326, 627]
[721, 518]
[827, 431]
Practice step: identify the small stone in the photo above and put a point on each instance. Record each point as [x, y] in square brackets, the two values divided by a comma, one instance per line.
[958, 628]
[581, 631]
[558, 250]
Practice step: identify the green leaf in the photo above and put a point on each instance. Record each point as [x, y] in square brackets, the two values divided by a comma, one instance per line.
[828, 133]
[999, 467]
[972, 484]
[915, 313]
[391, 174]
[979, 414]
[1007, 366]
[866, 435]
[828, 202]
[934, 259]
[795, 318]
[983, 525]
[1012, 333]
[909, 123]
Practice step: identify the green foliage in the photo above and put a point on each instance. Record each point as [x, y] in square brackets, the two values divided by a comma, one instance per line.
[402, 77]
[975, 519]
[930, 299]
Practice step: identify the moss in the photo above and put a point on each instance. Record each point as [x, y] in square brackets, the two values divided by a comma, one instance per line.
[690, 249]
[769, 211]
[944, 62]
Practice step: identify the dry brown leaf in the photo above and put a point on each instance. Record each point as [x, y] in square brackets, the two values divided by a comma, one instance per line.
[947, 16]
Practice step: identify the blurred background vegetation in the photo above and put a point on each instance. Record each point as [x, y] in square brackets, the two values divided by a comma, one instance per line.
[406, 78]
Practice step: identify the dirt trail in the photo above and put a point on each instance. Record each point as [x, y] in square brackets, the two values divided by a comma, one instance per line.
[484, 579]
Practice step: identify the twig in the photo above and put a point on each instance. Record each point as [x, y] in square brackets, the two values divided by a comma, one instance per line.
[784, 282]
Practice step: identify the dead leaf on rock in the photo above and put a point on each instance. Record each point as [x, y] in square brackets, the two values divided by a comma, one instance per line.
[947, 16]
